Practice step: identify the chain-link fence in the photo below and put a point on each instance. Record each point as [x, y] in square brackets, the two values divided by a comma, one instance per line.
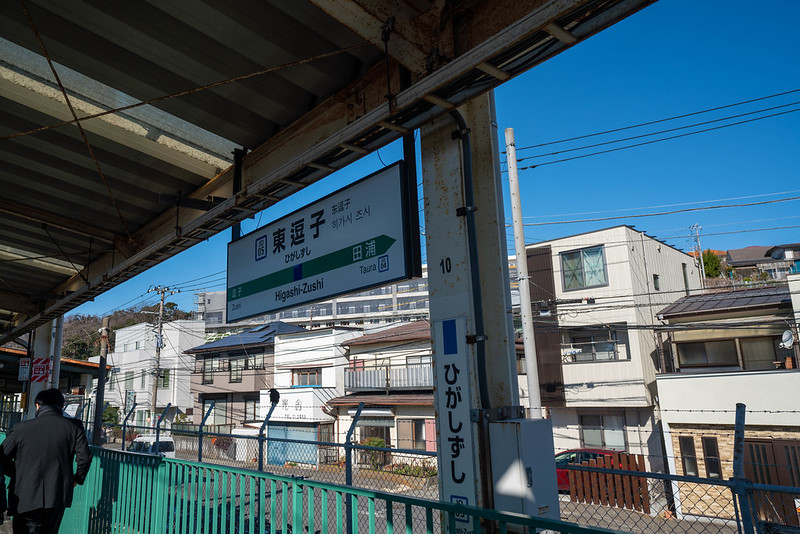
[643, 502]
[409, 472]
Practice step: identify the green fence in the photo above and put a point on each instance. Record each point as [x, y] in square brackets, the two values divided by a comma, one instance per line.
[141, 494]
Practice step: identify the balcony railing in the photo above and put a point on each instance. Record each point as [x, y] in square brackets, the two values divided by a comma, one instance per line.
[414, 376]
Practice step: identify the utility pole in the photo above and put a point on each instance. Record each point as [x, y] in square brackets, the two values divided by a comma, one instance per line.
[531, 365]
[101, 385]
[163, 291]
[696, 227]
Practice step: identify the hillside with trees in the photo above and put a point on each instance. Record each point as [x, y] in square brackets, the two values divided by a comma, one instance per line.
[81, 338]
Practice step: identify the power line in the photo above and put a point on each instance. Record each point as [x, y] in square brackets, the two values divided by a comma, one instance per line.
[659, 120]
[673, 212]
[659, 140]
[659, 132]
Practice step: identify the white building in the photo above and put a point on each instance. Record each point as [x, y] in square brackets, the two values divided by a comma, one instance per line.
[309, 371]
[595, 296]
[133, 364]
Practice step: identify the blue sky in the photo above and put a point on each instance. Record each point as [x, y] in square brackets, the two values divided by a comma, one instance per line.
[673, 58]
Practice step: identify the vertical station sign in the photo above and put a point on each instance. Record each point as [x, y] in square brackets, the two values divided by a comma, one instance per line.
[362, 236]
[457, 454]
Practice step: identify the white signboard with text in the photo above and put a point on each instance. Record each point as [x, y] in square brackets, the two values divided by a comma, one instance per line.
[356, 238]
[299, 406]
[453, 401]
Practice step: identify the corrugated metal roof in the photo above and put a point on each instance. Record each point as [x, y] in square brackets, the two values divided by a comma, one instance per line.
[262, 335]
[733, 300]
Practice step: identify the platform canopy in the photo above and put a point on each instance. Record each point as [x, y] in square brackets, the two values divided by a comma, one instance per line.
[118, 119]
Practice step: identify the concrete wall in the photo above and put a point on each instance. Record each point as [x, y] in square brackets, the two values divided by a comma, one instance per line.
[767, 394]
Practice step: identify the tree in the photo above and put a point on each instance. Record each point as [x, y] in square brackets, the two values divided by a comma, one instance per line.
[711, 263]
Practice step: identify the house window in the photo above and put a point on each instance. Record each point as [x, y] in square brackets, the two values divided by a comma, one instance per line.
[144, 380]
[758, 352]
[235, 370]
[219, 415]
[111, 379]
[128, 380]
[419, 360]
[255, 361]
[307, 377]
[411, 434]
[688, 456]
[208, 373]
[163, 378]
[250, 408]
[711, 456]
[605, 431]
[584, 268]
[685, 278]
[592, 347]
[707, 353]
[656, 282]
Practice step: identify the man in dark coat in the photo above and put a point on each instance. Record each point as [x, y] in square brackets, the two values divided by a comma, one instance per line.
[37, 454]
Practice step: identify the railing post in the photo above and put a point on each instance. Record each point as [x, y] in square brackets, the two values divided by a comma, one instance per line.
[348, 467]
[158, 427]
[125, 425]
[743, 488]
[261, 437]
[200, 432]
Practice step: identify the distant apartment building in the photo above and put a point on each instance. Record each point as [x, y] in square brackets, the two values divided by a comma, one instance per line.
[720, 349]
[133, 369]
[402, 301]
[595, 296]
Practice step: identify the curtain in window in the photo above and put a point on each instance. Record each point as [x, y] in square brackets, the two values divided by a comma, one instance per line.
[573, 273]
[758, 353]
[594, 271]
[614, 431]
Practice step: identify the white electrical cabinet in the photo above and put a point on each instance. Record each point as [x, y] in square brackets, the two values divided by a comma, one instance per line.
[524, 467]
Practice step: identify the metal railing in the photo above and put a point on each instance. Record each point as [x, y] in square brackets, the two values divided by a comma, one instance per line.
[129, 492]
[384, 377]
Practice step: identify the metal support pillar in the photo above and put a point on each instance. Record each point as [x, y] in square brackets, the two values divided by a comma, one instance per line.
[43, 339]
[348, 467]
[456, 249]
[158, 426]
[125, 425]
[261, 436]
[200, 432]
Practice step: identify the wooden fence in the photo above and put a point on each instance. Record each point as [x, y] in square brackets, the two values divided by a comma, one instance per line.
[619, 491]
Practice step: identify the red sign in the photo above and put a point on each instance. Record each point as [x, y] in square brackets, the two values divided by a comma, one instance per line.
[40, 369]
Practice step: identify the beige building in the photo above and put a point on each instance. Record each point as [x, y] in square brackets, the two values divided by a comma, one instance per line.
[594, 297]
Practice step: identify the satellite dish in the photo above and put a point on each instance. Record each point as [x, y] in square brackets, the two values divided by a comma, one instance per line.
[787, 340]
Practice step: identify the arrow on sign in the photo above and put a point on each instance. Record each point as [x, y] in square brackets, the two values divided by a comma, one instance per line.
[329, 262]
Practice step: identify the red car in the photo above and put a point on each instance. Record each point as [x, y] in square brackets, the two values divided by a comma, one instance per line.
[575, 456]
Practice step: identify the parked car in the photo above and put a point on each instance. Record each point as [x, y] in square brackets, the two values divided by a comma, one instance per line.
[147, 445]
[575, 456]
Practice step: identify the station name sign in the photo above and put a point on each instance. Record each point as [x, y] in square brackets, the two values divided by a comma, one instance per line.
[362, 236]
